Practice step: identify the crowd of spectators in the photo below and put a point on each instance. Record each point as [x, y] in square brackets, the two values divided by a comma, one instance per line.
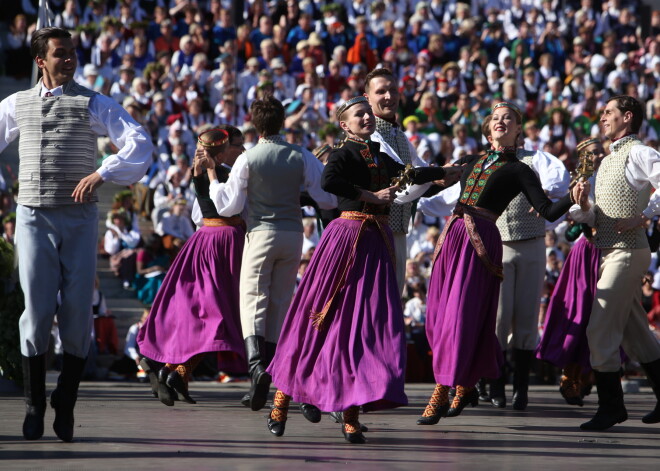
[180, 66]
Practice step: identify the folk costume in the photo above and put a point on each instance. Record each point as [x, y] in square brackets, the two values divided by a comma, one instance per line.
[343, 343]
[196, 310]
[468, 259]
[622, 191]
[56, 237]
[523, 261]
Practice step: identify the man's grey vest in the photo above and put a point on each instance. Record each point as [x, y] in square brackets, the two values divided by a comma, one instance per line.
[394, 136]
[517, 222]
[57, 146]
[616, 199]
[276, 174]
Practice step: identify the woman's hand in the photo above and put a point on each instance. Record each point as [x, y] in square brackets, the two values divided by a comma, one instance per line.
[384, 196]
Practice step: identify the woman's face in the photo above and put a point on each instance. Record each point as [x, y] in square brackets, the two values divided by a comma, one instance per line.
[503, 127]
[359, 120]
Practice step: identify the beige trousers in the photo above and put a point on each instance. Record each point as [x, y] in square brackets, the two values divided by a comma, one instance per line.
[401, 252]
[617, 316]
[520, 293]
[268, 277]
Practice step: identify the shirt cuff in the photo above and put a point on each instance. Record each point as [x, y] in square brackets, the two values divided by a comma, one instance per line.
[104, 173]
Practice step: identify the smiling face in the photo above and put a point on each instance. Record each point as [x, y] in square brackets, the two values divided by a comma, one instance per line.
[504, 128]
[383, 95]
[358, 120]
[614, 123]
[59, 64]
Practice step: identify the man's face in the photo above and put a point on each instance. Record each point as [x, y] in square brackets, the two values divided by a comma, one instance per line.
[613, 122]
[383, 95]
[60, 62]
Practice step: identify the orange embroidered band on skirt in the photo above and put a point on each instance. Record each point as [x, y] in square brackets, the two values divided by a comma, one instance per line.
[468, 213]
[217, 222]
[381, 221]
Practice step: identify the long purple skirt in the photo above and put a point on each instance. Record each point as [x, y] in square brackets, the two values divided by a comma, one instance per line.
[358, 356]
[564, 339]
[196, 309]
[462, 307]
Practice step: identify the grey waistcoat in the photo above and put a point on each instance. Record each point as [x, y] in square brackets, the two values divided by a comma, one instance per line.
[516, 222]
[273, 193]
[57, 147]
[616, 199]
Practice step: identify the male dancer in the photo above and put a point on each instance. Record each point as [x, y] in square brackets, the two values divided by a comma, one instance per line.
[382, 90]
[617, 319]
[269, 177]
[523, 261]
[57, 219]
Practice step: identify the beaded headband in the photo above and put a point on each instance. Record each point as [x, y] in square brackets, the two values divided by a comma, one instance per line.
[511, 106]
[586, 143]
[348, 103]
[206, 142]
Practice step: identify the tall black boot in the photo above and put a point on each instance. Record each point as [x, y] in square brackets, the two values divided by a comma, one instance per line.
[652, 371]
[63, 399]
[34, 384]
[523, 362]
[255, 348]
[611, 410]
[270, 352]
[497, 391]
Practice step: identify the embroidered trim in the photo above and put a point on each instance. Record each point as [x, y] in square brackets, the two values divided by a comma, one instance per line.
[274, 139]
[466, 213]
[476, 182]
[318, 317]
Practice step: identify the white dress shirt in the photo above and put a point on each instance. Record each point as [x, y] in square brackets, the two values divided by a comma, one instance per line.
[106, 118]
[230, 197]
[642, 168]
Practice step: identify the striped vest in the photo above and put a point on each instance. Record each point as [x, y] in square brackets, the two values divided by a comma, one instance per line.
[277, 171]
[517, 222]
[57, 147]
[616, 199]
[394, 136]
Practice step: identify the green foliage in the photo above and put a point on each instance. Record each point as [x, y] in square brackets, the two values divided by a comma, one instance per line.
[12, 305]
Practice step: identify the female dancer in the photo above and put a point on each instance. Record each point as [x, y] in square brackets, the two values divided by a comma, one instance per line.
[564, 340]
[196, 310]
[343, 342]
[464, 283]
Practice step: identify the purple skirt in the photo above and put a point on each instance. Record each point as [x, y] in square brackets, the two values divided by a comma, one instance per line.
[564, 338]
[358, 356]
[196, 309]
[462, 307]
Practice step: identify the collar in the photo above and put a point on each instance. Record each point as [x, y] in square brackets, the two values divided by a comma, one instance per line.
[391, 122]
[275, 138]
[620, 142]
[57, 91]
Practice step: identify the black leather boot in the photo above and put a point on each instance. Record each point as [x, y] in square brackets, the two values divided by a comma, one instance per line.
[151, 367]
[63, 399]
[611, 410]
[34, 384]
[652, 371]
[255, 348]
[497, 389]
[523, 363]
[482, 390]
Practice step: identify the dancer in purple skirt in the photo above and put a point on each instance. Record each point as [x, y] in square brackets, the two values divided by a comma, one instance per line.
[564, 340]
[342, 344]
[196, 310]
[465, 280]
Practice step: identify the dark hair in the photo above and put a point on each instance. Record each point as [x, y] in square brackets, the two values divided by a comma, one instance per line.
[627, 103]
[39, 44]
[232, 132]
[382, 72]
[267, 115]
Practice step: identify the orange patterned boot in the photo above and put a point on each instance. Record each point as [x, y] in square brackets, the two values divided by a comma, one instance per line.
[464, 396]
[278, 413]
[351, 428]
[437, 407]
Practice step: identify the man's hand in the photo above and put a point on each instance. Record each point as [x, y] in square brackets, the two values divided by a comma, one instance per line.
[628, 224]
[85, 188]
[581, 195]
